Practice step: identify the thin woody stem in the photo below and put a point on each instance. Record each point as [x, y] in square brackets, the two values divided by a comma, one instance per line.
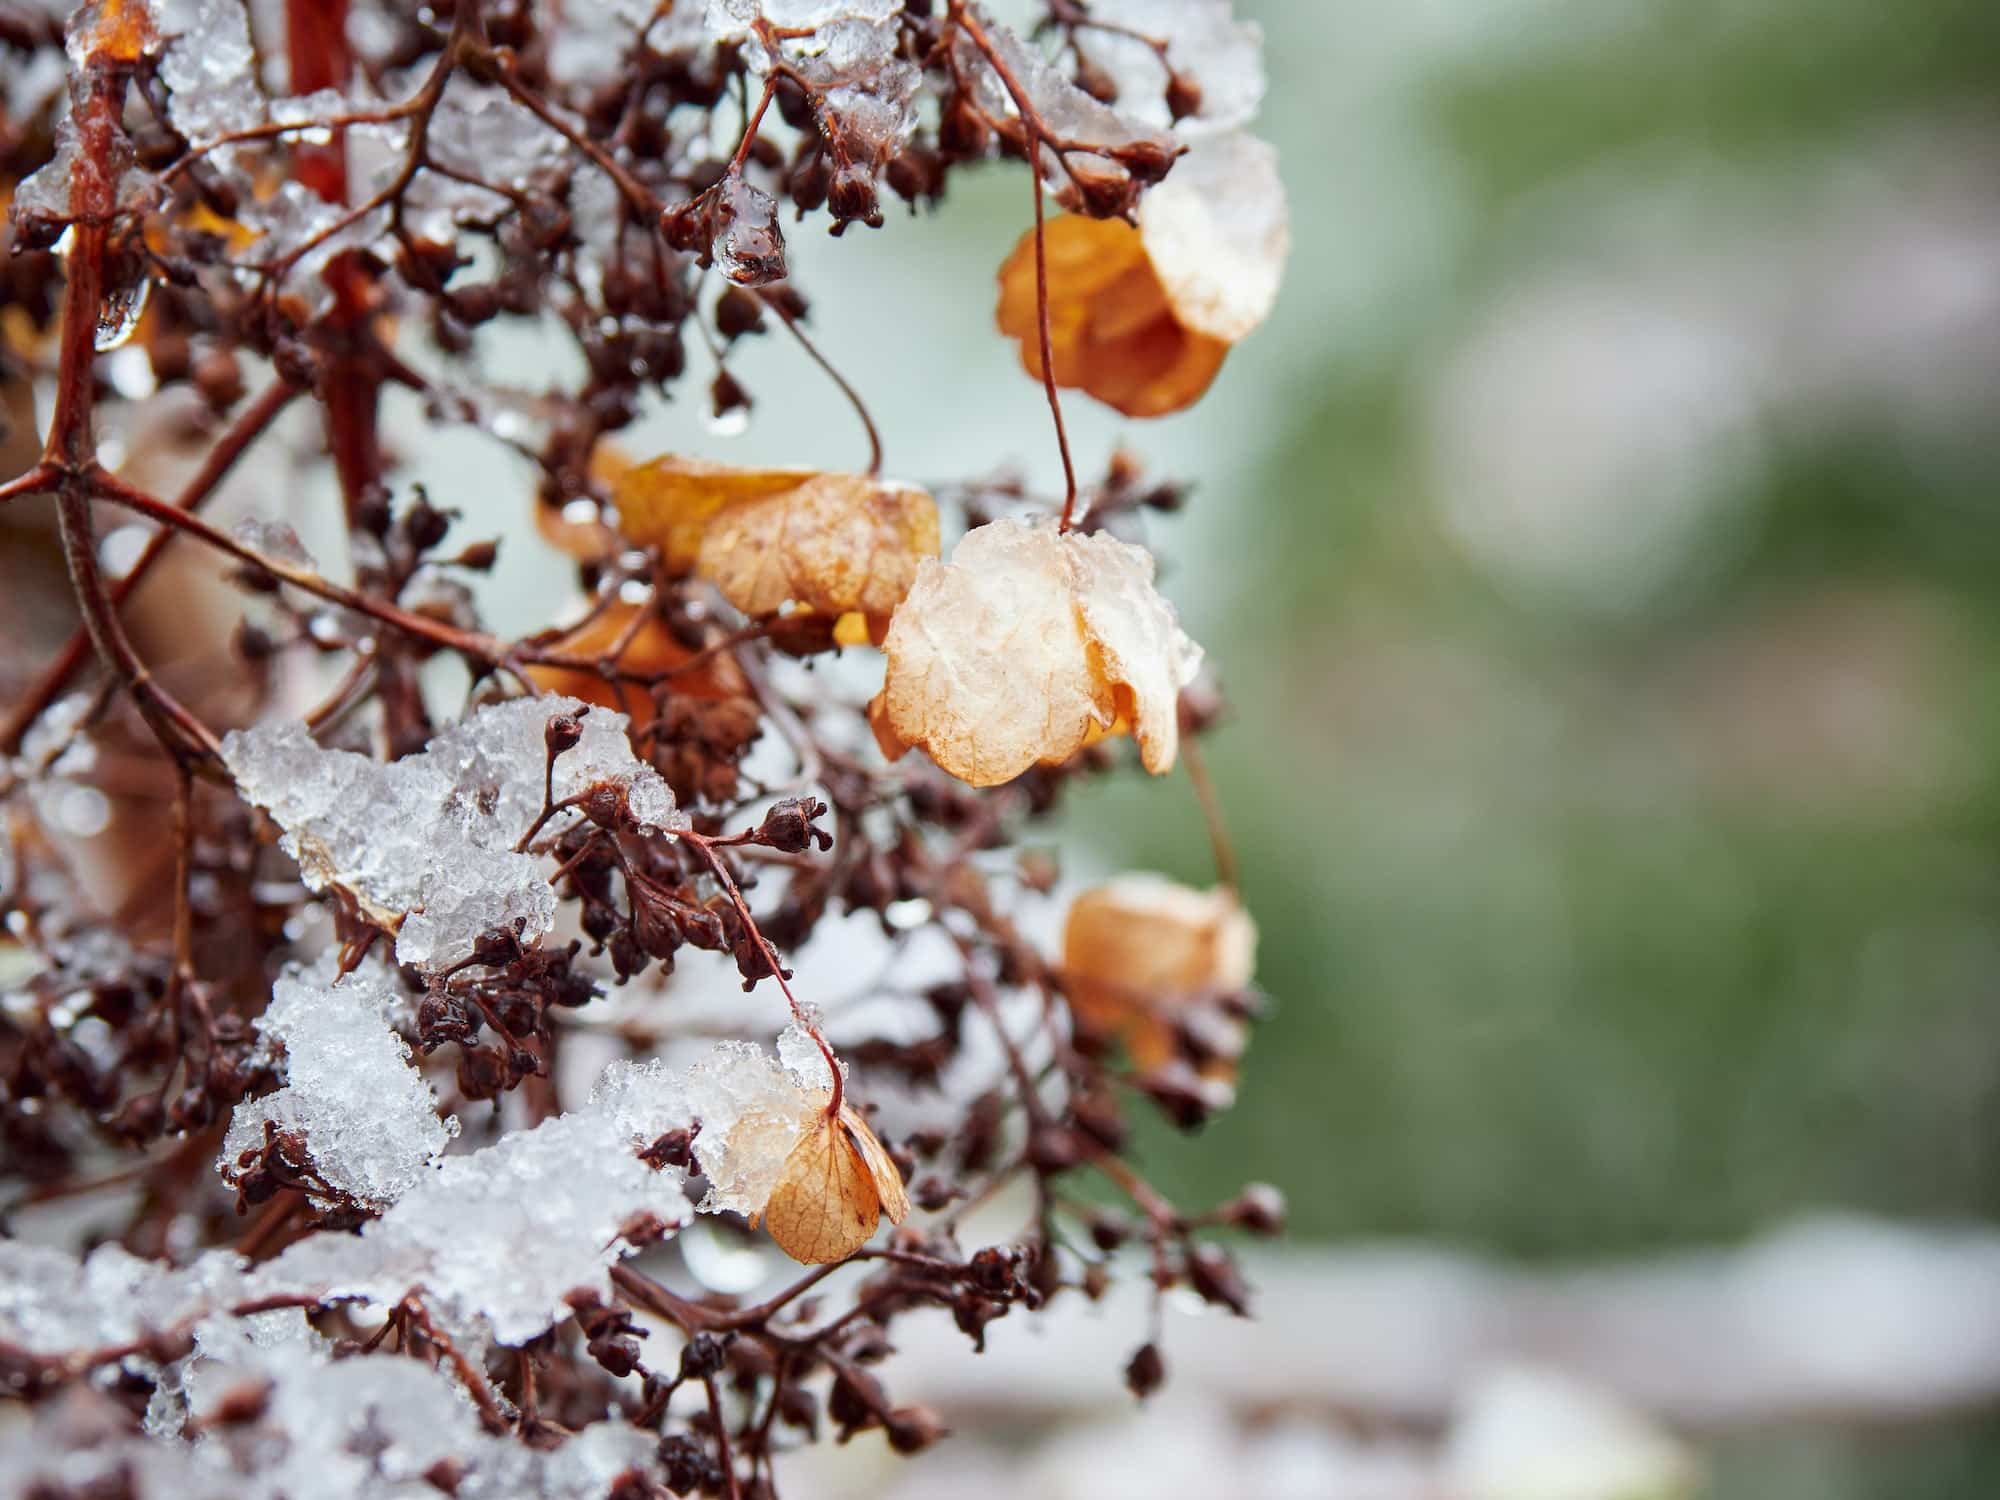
[250, 424]
[846, 388]
[1047, 341]
[705, 847]
[1035, 138]
[1211, 812]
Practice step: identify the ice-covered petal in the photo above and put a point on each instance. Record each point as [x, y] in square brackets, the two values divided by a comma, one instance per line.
[1025, 646]
[1217, 233]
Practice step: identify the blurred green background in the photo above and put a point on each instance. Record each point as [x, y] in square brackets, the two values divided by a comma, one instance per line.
[1612, 621]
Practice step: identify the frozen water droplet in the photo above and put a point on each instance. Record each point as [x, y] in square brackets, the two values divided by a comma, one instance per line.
[732, 423]
[748, 246]
[120, 312]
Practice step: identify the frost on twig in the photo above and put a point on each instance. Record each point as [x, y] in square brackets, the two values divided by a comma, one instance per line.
[864, 95]
[1030, 643]
[424, 846]
[1098, 157]
[364, 1113]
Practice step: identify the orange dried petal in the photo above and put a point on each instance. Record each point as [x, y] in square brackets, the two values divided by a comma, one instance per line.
[1113, 328]
[1139, 950]
[1159, 369]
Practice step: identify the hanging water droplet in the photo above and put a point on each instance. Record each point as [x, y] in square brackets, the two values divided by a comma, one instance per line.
[732, 423]
[120, 312]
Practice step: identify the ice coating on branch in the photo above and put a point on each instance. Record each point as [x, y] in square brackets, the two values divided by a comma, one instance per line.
[273, 539]
[1207, 47]
[748, 246]
[867, 105]
[592, 38]
[1080, 122]
[733, 20]
[1028, 644]
[209, 67]
[367, 1117]
[480, 132]
[1218, 232]
[424, 845]
[752, 1109]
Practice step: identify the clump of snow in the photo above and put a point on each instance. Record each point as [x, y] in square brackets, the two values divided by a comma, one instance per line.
[494, 1240]
[753, 1109]
[425, 845]
[326, 1429]
[368, 1118]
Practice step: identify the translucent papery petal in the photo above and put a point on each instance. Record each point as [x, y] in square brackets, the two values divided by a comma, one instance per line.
[1218, 233]
[1028, 641]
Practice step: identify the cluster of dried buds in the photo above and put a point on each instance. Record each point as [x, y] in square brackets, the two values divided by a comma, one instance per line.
[461, 997]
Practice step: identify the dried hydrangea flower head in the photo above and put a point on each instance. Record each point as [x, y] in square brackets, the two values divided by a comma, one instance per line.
[341, 230]
[1028, 645]
[1141, 952]
[1142, 318]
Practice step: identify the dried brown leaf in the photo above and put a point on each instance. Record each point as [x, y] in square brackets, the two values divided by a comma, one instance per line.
[653, 649]
[669, 501]
[836, 544]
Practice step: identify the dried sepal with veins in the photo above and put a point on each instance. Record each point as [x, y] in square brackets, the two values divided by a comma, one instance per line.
[837, 1184]
[1028, 645]
[836, 544]
[778, 1146]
